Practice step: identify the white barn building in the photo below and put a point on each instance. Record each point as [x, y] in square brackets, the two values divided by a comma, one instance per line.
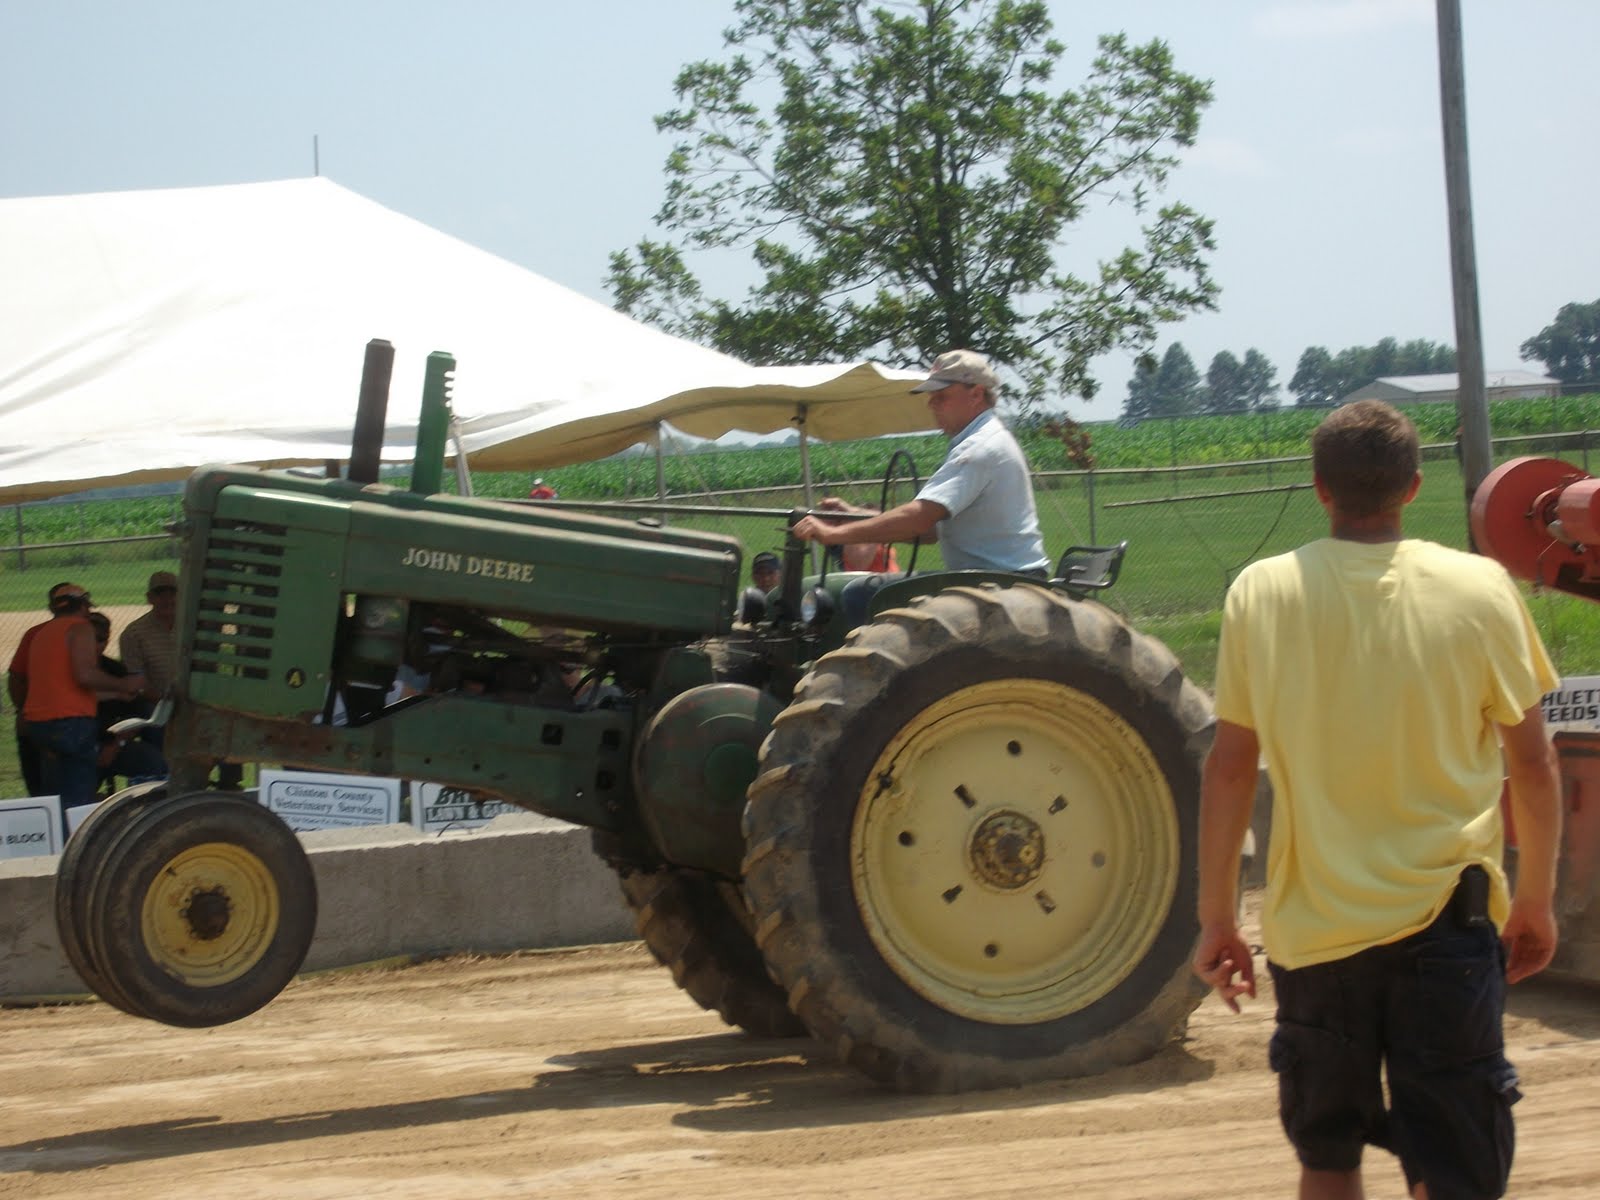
[1424, 389]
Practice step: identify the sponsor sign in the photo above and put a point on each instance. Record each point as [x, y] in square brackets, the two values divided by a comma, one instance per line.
[311, 800]
[1575, 704]
[30, 826]
[435, 808]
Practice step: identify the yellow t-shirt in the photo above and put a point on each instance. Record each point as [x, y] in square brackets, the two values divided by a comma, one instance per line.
[1373, 676]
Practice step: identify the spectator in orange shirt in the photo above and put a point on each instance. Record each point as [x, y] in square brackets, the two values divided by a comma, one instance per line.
[17, 688]
[869, 556]
[59, 713]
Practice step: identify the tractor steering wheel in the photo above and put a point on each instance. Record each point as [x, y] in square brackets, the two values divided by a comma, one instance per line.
[898, 458]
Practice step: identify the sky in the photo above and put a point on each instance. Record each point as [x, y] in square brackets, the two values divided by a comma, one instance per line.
[526, 128]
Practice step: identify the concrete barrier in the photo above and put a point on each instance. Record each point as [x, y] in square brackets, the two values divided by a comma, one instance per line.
[522, 882]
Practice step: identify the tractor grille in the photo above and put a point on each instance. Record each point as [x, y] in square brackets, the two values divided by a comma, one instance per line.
[238, 606]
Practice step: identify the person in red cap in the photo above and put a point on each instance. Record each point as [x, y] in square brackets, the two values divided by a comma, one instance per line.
[59, 713]
[28, 756]
[979, 503]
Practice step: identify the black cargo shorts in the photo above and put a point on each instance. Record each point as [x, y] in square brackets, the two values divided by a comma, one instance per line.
[1426, 1011]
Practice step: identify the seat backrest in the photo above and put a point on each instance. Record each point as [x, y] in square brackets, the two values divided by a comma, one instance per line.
[1090, 567]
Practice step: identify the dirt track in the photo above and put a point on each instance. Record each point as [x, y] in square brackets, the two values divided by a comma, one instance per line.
[588, 1074]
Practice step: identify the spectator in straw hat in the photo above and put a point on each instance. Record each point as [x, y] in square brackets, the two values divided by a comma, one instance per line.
[148, 645]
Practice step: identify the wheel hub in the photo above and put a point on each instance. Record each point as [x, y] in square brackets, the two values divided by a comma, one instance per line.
[1008, 850]
[207, 913]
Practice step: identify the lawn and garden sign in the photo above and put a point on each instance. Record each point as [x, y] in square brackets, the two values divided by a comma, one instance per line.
[435, 809]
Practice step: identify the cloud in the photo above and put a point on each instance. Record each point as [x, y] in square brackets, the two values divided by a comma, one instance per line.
[1228, 156]
[1340, 18]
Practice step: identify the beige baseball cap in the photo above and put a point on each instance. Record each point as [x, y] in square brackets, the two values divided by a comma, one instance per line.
[959, 366]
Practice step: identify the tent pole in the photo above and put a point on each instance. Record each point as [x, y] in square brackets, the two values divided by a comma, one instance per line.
[800, 414]
[805, 455]
[463, 476]
[661, 470]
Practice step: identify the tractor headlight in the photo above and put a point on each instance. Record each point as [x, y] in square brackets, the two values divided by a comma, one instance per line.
[816, 607]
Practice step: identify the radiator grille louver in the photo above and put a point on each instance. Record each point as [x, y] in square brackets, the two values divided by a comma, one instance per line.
[238, 607]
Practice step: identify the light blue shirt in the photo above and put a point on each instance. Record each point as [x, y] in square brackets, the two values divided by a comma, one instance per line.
[983, 482]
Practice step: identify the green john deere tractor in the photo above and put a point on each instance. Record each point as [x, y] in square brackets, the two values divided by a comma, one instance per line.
[946, 825]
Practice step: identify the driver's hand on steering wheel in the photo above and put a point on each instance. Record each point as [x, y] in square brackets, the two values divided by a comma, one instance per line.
[816, 529]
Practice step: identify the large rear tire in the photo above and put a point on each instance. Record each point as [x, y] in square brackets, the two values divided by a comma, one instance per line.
[202, 910]
[972, 844]
[697, 927]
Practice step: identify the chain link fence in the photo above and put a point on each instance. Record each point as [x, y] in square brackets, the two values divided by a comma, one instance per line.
[1190, 530]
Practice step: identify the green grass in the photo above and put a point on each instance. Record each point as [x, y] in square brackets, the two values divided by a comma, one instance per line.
[111, 574]
[10, 773]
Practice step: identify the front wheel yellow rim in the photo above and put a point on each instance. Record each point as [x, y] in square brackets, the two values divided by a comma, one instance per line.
[210, 914]
[1015, 851]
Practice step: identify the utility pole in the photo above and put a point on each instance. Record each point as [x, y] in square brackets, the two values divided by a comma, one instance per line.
[1472, 403]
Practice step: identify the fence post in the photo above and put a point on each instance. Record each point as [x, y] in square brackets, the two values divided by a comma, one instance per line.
[22, 558]
[1093, 539]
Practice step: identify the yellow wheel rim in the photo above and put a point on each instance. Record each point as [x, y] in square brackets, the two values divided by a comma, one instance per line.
[1015, 851]
[210, 914]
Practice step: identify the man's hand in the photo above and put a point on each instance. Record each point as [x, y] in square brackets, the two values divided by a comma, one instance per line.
[1529, 938]
[815, 529]
[1220, 956]
[132, 686]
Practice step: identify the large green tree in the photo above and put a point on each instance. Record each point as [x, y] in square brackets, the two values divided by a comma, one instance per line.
[1178, 387]
[905, 177]
[1224, 384]
[1259, 381]
[1142, 401]
[1569, 347]
[1170, 387]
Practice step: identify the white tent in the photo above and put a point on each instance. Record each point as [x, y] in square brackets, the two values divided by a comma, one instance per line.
[145, 333]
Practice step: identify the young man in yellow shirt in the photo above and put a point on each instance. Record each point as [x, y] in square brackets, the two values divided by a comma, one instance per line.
[1379, 677]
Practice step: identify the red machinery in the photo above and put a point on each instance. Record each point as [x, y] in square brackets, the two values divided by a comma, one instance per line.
[1540, 518]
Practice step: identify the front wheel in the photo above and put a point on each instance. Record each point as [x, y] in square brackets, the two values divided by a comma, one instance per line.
[202, 909]
[972, 842]
[77, 873]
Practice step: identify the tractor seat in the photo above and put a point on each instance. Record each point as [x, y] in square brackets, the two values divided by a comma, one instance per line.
[1091, 568]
